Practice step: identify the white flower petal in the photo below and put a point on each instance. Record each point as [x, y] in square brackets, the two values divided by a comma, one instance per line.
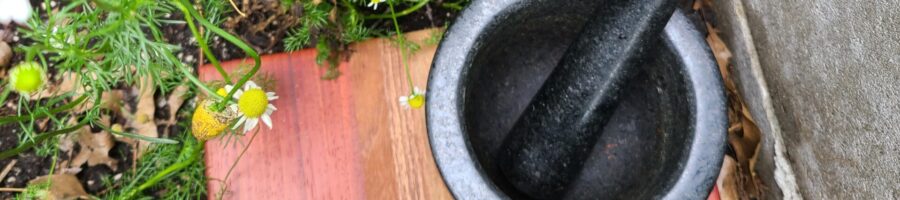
[239, 123]
[267, 121]
[404, 101]
[250, 85]
[250, 124]
[237, 94]
[17, 11]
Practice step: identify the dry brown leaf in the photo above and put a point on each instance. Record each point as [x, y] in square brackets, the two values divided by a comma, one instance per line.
[176, 99]
[62, 186]
[5, 54]
[69, 83]
[112, 100]
[727, 181]
[95, 148]
[744, 135]
[720, 51]
[142, 119]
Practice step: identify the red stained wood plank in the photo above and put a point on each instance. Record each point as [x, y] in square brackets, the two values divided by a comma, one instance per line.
[395, 142]
[340, 139]
[311, 151]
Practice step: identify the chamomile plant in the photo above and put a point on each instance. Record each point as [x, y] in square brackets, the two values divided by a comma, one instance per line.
[101, 45]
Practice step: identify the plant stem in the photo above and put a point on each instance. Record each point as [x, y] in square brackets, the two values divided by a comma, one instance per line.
[225, 181]
[191, 150]
[70, 105]
[40, 138]
[234, 40]
[402, 41]
[454, 5]
[5, 92]
[182, 67]
[202, 43]
[12, 189]
[408, 11]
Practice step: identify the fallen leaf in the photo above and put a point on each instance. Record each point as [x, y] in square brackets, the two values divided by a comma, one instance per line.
[744, 135]
[62, 186]
[112, 100]
[95, 148]
[5, 54]
[727, 181]
[721, 53]
[70, 82]
[142, 119]
[176, 99]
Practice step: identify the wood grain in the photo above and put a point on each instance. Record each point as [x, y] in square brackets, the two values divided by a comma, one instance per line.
[338, 139]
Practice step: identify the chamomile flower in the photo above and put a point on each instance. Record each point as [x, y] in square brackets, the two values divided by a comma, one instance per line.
[17, 11]
[253, 105]
[27, 78]
[414, 100]
[374, 4]
[207, 124]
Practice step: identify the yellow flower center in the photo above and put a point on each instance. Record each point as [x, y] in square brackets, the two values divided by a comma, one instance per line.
[27, 77]
[253, 102]
[221, 92]
[417, 101]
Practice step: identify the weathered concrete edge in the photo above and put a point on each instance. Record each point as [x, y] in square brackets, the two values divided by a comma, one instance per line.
[732, 21]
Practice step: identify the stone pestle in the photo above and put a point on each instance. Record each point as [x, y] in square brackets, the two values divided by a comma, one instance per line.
[546, 148]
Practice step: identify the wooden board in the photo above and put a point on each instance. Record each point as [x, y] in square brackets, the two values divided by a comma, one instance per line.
[335, 139]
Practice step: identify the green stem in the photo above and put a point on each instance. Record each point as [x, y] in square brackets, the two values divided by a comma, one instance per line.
[204, 47]
[182, 67]
[192, 153]
[70, 105]
[454, 6]
[408, 11]
[349, 5]
[5, 93]
[225, 181]
[234, 40]
[402, 41]
[40, 138]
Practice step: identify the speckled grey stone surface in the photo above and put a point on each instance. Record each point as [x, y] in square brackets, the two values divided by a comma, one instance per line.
[833, 72]
[450, 109]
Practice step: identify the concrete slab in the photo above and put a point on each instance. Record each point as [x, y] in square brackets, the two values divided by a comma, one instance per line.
[831, 71]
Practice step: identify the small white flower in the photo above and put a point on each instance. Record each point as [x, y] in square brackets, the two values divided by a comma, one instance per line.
[17, 11]
[414, 100]
[253, 105]
[374, 4]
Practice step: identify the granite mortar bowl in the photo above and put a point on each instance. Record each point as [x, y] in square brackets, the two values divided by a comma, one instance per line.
[665, 140]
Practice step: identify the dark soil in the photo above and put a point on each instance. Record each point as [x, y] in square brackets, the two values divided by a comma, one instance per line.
[28, 165]
[265, 35]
